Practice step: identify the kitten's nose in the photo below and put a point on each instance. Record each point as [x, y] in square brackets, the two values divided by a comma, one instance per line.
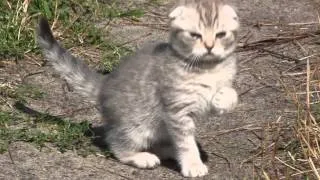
[209, 47]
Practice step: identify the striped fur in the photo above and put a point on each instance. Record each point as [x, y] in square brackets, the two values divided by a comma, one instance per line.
[154, 99]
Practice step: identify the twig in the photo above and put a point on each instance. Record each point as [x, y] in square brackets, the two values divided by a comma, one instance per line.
[299, 173]
[307, 57]
[275, 41]
[286, 164]
[280, 56]
[294, 74]
[135, 39]
[314, 168]
[308, 84]
[7, 103]
[32, 74]
[150, 25]
[265, 175]
[303, 93]
[259, 24]
[224, 158]
[303, 24]
[244, 128]
[10, 155]
[252, 58]
[307, 144]
[251, 89]
[255, 155]
[31, 59]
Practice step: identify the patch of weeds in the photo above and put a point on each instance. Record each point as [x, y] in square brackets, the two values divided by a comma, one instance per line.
[73, 21]
[63, 134]
[29, 91]
[7, 90]
[133, 14]
[16, 27]
[22, 92]
[112, 10]
[157, 2]
[111, 58]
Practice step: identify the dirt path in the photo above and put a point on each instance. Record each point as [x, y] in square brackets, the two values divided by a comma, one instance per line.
[233, 142]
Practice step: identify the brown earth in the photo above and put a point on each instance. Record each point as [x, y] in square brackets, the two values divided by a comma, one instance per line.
[239, 145]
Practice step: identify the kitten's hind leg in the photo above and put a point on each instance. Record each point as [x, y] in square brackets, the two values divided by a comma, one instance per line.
[129, 145]
[144, 160]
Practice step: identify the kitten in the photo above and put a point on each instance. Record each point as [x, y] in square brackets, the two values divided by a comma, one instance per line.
[152, 101]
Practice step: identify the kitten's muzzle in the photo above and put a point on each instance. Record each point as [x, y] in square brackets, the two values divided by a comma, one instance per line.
[208, 47]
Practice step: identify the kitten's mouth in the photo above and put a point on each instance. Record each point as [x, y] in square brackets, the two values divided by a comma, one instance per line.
[207, 61]
[210, 57]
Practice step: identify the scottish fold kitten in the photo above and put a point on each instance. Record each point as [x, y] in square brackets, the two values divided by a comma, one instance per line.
[153, 100]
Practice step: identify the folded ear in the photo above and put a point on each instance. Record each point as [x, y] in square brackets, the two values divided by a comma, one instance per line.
[177, 12]
[231, 19]
[228, 11]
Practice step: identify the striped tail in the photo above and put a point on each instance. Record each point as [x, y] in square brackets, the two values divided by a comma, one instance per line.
[83, 80]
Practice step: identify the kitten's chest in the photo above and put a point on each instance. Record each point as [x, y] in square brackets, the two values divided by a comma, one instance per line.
[199, 89]
[210, 81]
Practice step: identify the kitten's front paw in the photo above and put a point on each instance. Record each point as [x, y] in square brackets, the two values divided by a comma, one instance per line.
[225, 99]
[194, 170]
[143, 160]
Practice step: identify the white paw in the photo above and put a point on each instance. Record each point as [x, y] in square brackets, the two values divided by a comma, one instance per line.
[142, 160]
[194, 170]
[225, 99]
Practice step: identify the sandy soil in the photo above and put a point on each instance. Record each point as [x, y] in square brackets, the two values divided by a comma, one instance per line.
[232, 142]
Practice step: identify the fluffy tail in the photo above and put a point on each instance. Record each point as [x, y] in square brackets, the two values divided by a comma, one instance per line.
[78, 74]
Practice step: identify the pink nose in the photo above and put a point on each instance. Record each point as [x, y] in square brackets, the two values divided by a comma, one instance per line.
[209, 47]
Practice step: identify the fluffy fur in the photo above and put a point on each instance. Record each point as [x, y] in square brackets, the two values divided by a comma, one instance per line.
[153, 100]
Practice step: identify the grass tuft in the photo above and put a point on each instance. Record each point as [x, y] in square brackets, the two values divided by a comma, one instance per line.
[21, 92]
[74, 22]
[63, 134]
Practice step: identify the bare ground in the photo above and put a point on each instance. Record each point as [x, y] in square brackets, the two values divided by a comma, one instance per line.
[239, 145]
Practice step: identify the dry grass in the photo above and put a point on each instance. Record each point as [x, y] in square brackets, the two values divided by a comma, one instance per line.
[308, 129]
[292, 151]
[303, 161]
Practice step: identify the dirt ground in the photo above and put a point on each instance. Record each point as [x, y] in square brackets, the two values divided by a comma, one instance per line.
[232, 142]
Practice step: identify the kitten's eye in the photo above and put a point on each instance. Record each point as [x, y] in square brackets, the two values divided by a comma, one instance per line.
[195, 35]
[221, 35]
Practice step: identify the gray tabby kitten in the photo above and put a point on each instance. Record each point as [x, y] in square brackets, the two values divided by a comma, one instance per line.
[153, 99]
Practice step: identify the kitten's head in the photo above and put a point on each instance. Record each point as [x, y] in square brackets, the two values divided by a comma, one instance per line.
[203, 30]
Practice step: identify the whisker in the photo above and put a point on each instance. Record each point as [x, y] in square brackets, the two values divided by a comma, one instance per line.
[193, 62]
[188, 65]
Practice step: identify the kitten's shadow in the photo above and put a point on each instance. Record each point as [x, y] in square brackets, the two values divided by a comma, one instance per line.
[99, 141]
[97, 135]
